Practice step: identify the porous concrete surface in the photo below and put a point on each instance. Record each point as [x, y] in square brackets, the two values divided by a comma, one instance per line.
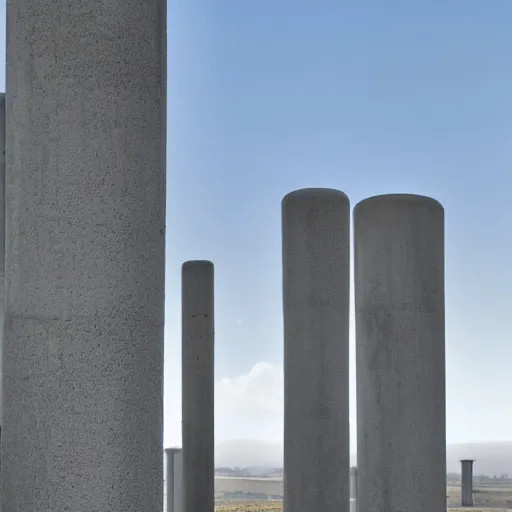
[400, 352]
[85, 256]
[316, 286]
[198, 386]
[174, 480]
[2, 240]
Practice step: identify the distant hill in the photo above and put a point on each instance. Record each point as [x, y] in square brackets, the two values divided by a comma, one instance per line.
[490, 458]
[493, 458]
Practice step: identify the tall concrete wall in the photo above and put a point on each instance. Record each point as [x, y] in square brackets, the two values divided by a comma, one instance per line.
[316, 276]
[400, 340]
[2, 244]
[467, 483]
[198, 386]
[174, 480]
[85, 256]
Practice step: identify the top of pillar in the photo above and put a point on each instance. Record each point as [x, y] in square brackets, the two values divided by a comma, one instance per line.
[306, 194]
[196, 263]
[172, 450]
[397, 199]
[467, 460]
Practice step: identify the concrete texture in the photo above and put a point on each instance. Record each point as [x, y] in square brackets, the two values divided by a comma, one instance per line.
[316, 277]
[2, 243]
[353, 489]
[467, 483]
[400, 347]
[85, 256]
[174, 480]
[198, 386]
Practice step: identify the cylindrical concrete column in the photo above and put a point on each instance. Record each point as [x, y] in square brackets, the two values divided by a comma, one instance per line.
[316, 277]
[85, 256]
[174, 480]
[353, 489]
[400, 346]
[467, 483]
[2, 245]
[198, 386]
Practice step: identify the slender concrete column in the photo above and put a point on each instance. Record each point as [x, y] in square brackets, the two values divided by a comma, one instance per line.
[178, 481]
[85, 256]
[198, 386]
[2, 244]
[316, 277]
[174, 480]
[400, 340]
[467, 483]
[353, 489]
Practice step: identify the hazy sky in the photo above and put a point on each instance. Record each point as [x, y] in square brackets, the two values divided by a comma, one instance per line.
[369, 97]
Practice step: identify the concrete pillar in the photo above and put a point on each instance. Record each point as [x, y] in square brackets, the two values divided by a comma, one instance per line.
[2, 244]
[316, 277]
[400, 347]
[85, 256]
[174, 480]
[353, 489]
[198, 386]
[467, 483]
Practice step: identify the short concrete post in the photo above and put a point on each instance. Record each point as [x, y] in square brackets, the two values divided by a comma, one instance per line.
[174, 480]
[316, 277]
[400, 345]
[467, 483]
[353, 489]
[198, 386]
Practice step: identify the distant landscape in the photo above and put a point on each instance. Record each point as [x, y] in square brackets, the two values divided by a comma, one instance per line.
[493, 458]
[249, 476]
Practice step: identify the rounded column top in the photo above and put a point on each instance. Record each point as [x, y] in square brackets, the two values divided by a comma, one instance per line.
[196, 263]
[172, 450]
[309, 194]
[396, 200]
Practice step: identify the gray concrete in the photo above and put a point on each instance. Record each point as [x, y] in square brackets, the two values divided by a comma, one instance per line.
[198, 386]
[353, 489]
[467, 483]
[2, 242]
[400, 347]
[85, 256]
[174, 480]
[316, 277]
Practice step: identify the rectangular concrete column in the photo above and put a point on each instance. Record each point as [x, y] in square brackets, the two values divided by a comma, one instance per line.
[174, 480]
[400, 340]
[353, 489]
[198, 386]
[316, 277]
[467, 483]
[85, 256]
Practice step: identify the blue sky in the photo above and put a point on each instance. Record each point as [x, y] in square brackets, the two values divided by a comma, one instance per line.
[368, 97]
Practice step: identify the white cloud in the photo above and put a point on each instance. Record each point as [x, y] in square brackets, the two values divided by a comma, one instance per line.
[250, 405]
[247, 406]
[258, 391]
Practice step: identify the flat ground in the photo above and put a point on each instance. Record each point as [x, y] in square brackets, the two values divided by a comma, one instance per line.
[492, 498]
[485, 497]
[278, 507]
[263, 506]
